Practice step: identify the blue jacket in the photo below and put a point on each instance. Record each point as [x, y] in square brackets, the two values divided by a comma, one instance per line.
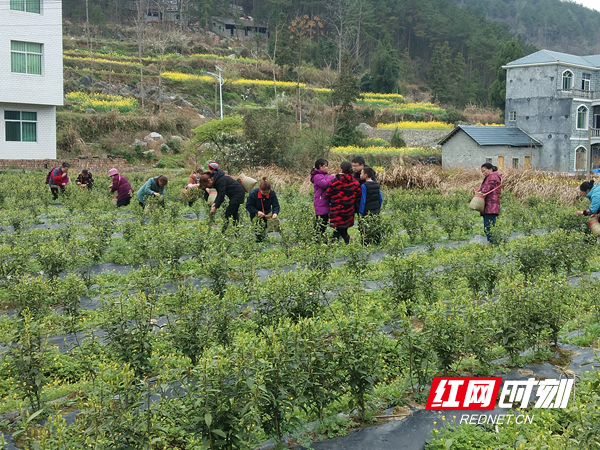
[363, 198]
[149, 188]
[594, 196]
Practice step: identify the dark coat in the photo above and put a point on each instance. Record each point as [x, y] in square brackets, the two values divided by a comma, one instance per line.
[256, 202]
[227, 186]
[344, 194]
[89, 180]
[122, 186]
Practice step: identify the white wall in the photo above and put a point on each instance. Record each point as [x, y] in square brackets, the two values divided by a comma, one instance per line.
[46, 29]
[44, 148]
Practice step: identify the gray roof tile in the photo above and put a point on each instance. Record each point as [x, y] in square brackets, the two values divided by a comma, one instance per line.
[549, 56]
[490, 135]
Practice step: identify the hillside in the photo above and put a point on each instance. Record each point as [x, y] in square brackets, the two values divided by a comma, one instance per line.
[551, 24]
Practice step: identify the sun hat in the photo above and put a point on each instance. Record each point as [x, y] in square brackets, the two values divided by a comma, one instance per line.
[112, 172]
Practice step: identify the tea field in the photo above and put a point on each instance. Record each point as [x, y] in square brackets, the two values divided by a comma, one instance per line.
[121, 329]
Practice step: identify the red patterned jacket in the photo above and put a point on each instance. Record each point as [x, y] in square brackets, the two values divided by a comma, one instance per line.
[343, 192]
[492, 200]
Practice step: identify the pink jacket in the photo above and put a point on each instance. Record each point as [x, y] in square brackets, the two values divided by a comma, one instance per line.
[492, 200]
[320, 180]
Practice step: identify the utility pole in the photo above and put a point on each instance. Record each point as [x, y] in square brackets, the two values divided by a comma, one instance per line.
[221, 82]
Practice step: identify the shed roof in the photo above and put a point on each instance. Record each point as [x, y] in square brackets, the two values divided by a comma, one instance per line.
[549, 56]
[490, 135]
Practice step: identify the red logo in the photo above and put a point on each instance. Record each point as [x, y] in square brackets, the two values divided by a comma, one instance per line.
[463, 393]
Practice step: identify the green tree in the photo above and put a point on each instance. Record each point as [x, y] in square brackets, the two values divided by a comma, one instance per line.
[346, 90]
[439, 73]
[460, 83]
[384, 69]
[497, 95]
[268, 137]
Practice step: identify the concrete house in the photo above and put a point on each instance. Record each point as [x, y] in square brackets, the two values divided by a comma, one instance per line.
[243, 28]
[470, 146]
[31, 80]
[555, 98]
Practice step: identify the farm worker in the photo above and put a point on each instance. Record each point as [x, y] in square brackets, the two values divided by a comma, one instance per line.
[194, 182]
[491, 187]
[194, 179]
[154, 186]
[593, 193]
[225, 186]
[58, 178]
[320, 180]
[358, 164]
[121, 185]
[343, 192]
[85, 179]
[262, 204]
[371, 198]
[370, 204]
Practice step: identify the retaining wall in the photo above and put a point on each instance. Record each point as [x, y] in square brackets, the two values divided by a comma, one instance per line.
[413, 138]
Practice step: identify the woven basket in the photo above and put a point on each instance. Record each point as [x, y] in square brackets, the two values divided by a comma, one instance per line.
[594, 225]
[212, 196]
[478, 202]
[273, 225]
[248, 183]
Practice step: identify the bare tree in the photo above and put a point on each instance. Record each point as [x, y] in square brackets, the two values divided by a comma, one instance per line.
[89, 42]
[358, 12]
[277, 30]
[159, 40]
[140, 24]
[339, 16]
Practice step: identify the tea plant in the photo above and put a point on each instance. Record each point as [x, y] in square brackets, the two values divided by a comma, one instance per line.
[129, 330]
[197, 321]
[358, 347]
[25, 357]
[446, 334]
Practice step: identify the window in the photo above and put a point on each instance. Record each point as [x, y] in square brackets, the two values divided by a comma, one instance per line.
[488, 160]
[567, 80]
[20, 126]
[586, 82]
[32, 6]
[515, 163]
[512, 116]
[582, 118]
[25, 57]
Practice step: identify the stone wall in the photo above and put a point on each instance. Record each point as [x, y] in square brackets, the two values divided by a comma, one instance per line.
[413, 138]
[93, 164]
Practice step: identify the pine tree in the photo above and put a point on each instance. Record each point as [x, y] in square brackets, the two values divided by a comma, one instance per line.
[497, 94]
[346, 90]
[384, 69]
[440, 69]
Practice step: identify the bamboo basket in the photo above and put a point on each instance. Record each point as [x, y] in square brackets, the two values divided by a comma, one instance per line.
[212, 196]
[273, 225]
[247, 182]
[594, 225]
[478, 202]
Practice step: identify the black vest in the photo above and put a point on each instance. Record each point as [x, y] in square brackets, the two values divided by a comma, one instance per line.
[372, 202]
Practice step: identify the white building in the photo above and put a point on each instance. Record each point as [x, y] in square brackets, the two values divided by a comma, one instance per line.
[31, 79]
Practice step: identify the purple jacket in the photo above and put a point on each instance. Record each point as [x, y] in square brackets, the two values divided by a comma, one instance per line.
[321, 181]
[492, 200]
[122, 186]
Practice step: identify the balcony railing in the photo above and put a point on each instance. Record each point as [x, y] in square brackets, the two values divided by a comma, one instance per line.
[595, 132]
[578, 93]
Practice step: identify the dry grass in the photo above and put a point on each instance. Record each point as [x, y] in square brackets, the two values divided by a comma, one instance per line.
[476, 114]
[522, 183]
